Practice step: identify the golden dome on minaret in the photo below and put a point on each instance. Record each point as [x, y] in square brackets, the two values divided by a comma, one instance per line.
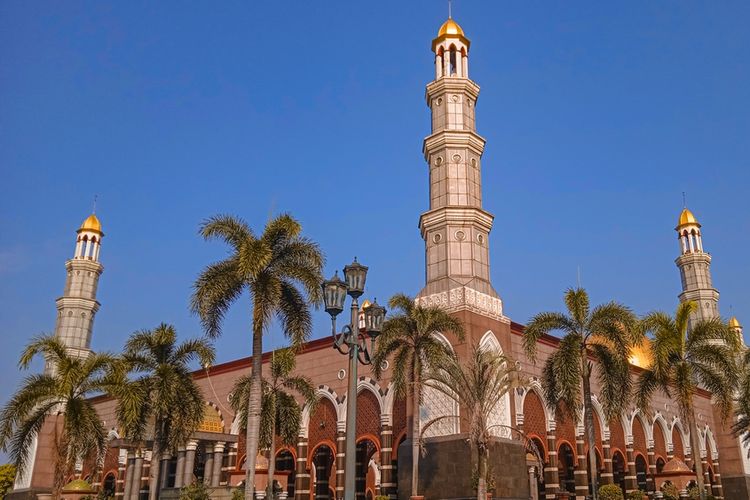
[450, 27]
[687, 218]
[734, 323]
[91, 224]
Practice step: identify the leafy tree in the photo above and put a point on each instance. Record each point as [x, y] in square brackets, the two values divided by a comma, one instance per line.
[742, 426]
[7, 477]
[610, 492]
[162, 401]
[605, 334]
[61, 396]
[688, 354]
[282, 273]
[408, 337]
[478, 385]
[281, 415]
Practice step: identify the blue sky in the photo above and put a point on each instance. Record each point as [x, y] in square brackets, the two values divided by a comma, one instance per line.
[597, 117]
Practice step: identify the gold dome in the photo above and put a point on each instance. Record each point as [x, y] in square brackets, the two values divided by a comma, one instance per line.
[687, 218]
[450, 27]
[640, 356]
[78, 485]
[91, 224]
[734, 323]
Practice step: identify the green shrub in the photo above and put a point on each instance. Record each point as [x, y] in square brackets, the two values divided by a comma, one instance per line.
[238, 494]
[194, 491]
[382, 497]
[610, 492]
[670, 492]
[636, 495]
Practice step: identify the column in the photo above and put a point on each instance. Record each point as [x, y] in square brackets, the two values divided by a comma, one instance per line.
[607, 475]
[122, 461]
[386, 456]
[208, 467]
[340, 458]
[129, 473]
[465, 70]
[302, 474]
[670, 451]
[218, 462]
[630, 480]
[706, 477]
[718, 488]
[187, 478]
[581, 471]
[164, 472]
[446, 63]
[179, 472]
[551, 477]
[135, 488]
[533, 488]
[231, 463]
[459, 64]
[650, 482]
[438, 66]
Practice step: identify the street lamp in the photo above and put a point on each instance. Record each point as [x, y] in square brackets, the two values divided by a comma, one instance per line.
[352, 340]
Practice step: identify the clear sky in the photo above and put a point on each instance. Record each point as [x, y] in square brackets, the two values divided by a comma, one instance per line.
[597, 118]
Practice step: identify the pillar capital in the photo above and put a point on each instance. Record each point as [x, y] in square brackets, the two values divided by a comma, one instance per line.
[219, 446]
[386, 419]
[191, 445]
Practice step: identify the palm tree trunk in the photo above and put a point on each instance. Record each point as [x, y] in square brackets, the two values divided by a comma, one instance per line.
[155, 469]
[253, 412]
[272, 457]
[588, 422]
[696, 453]
[61, 461]
[482, 474]
[415, 438]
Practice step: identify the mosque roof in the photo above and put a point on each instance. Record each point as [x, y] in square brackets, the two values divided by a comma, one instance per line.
[91, 224]
[687, 218]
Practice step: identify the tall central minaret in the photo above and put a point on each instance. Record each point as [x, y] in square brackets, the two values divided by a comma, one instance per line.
[455, 228]
[78, 305]
[695, 268]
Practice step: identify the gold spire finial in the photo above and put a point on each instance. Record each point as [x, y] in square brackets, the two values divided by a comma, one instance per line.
[450, 16]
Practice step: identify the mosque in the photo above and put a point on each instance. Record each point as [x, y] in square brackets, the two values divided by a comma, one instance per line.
[633, 451]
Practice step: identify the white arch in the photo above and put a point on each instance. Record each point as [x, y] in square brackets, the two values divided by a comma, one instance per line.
[324, 392]
[684, 436]
[536, 387]
[598, 414]
[388, 400]
[708, 435]
[435, 404]
[501, 413]
[645, 424]
[368, 384]
[665, 431]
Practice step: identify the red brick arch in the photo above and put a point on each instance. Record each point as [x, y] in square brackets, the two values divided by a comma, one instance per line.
[639, 436]
[677, 446]
[660, 444]
[368, 414]
[534, 418]
[322, 425]
[616, 436]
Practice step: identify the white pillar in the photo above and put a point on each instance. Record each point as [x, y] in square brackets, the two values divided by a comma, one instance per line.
[459, 64]
[446, 63]
[465, 69]
[438, 66]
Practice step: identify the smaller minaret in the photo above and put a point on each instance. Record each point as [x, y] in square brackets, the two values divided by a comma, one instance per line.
[78, 305]
[695, 268]
[736, 327]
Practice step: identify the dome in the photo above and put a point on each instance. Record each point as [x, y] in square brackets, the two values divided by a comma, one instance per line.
[91, 224]
[676, 465]
[450, 27]
[78, 485]
[734, 323]
[640, 356]
[687, 218]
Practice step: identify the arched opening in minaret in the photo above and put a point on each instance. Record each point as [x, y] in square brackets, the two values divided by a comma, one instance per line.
[91, 248]
[453, 67]
[84, 244]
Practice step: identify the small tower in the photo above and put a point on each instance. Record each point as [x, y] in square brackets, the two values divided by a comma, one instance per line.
[695, 268]
[736, 327]
[78, 305]
[455, 228]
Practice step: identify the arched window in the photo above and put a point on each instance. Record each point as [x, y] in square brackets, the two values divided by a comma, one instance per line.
[84, 244]
[659, 465]
[618, 469]
[453, 69]
[641, 468]
[108, 487]
[567, 468]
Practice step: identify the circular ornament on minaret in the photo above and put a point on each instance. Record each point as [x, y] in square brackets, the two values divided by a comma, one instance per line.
[437, 237]
[480, 239]
[455, 98]
[457, 158]
[460, 235]
[439, 161]
[474, 162]
[439, 101]
[341, 374]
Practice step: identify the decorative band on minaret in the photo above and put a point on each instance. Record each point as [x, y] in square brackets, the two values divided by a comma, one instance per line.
[455, 228]
[695, 268]
[78, 305]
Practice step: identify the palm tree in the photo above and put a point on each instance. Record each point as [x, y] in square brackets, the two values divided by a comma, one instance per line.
[742, 426]
[62, 394]
[605, 334]
[282, 272]
[408, 337]
[688, 354]
[281, 415]
[163, 400]
[478, 386]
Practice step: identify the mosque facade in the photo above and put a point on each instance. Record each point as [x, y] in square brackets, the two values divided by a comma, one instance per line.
[634, 451]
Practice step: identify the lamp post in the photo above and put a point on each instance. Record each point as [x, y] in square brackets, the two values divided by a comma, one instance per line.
[352, 342]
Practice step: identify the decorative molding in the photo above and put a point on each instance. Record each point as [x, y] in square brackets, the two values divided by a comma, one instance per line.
[463, 297]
